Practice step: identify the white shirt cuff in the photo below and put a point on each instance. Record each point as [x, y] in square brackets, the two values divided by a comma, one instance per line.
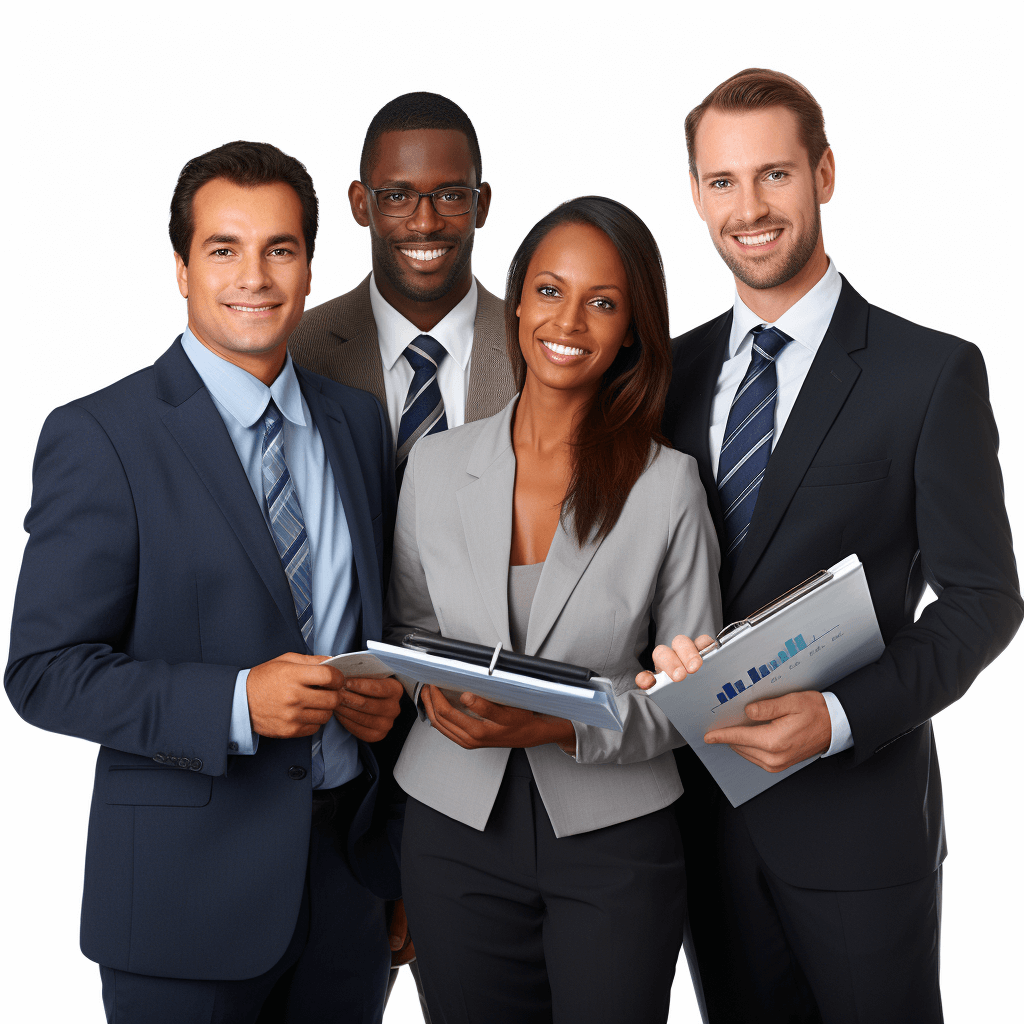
[241, 738]
[842, 736]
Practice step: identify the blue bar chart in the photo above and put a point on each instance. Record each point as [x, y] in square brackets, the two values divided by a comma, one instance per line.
[793, 646]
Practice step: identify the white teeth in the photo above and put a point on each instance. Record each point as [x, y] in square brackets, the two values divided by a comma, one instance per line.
[423, 254]
[562, 350]
[252, 309]
[762, 239]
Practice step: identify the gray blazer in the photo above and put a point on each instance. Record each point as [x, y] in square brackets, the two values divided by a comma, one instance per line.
[338, 339]
[593, 607]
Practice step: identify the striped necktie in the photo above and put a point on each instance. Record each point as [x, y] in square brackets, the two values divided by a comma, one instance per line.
[747, 444]
[286, 523]
[424, 407]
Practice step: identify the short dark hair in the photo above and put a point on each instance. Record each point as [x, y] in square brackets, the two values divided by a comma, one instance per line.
[757, 89]
[247, 164]
[414, 111]
[612, 444]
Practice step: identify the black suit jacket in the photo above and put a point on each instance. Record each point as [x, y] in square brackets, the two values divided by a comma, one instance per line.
[149, 579]
[889, 454]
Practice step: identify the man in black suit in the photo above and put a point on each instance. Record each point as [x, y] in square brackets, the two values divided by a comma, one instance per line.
[823, 427]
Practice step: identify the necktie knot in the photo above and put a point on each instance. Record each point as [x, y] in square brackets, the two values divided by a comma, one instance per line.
[769, 341]
[425, 353]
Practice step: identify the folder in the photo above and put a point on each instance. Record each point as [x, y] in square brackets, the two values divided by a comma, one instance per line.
[806, 639]
[504, 677]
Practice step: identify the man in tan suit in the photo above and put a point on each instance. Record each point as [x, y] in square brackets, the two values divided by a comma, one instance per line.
[419, 332]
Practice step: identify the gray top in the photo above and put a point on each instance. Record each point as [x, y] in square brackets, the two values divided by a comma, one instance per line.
[522, 585]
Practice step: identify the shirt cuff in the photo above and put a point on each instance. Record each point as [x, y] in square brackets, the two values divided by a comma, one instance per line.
[241, 738]
[842, 736]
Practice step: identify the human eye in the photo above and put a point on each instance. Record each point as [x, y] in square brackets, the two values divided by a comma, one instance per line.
[602, 303]
[221, 252]
[719, 184]
[776, 175]
[280, 252]
[548, 290]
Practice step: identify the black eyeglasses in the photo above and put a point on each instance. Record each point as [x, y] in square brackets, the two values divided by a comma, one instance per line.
[402, 202]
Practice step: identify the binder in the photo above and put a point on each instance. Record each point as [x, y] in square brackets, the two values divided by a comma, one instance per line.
[806, 639]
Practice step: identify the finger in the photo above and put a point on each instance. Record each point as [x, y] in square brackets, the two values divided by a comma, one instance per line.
[754, 756]
[498, 713]
[645, 680]
[300, 659]
[666, 660]
[310, 716]
[456, 735]
[703, 642]
[763, 737]
[361, 718]
[686, 651]
[386, 687]
[315, 698]
[766, 710]
[398, 930]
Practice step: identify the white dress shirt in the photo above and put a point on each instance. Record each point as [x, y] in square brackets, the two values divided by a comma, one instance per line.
[806, 322]
[454, 333]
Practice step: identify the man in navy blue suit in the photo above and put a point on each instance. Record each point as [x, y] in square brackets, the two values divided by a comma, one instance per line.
[201, 534]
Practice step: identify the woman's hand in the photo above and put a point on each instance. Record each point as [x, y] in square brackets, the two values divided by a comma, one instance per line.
[498, 726]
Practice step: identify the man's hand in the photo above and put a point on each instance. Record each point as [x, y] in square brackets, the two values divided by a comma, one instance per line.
[678, 661]
[293, 695]
[402, 949]
[368, 707]
[498, 726]
[796, 727]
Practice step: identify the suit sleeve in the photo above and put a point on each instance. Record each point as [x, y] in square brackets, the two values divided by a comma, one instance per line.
[70, 668]
[686, 600]
[967, 559]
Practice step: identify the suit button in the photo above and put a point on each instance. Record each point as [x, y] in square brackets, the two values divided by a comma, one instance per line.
[297, 772]
[161, 758]
[195, 764]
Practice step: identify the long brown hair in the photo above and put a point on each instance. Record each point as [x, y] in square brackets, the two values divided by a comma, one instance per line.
[612, 443]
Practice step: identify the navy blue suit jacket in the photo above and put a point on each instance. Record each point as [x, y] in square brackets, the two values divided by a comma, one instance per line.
[149, 579]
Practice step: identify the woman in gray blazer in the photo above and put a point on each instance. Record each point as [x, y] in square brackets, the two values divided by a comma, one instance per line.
[542, 866]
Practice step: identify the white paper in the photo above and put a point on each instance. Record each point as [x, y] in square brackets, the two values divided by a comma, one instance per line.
[807, 645]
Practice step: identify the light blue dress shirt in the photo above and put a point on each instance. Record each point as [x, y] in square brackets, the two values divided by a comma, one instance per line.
[242, 399]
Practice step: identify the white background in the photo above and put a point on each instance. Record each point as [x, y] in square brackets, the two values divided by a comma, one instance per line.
[103, 103]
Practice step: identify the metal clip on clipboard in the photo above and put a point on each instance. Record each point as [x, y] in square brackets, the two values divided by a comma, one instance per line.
[735, 628]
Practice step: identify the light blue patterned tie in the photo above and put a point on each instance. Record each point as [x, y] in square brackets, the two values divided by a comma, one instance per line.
[286, 523]
[424, 407]
[747, 444]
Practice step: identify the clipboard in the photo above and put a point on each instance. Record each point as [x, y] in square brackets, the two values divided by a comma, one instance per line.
[806, 639]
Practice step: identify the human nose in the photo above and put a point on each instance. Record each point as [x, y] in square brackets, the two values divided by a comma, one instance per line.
[569, 318]
[425, 219]
[753, 205]
[252, 273]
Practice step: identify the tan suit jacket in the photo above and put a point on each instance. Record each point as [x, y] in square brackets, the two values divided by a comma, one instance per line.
[593, 607]
[338, 339]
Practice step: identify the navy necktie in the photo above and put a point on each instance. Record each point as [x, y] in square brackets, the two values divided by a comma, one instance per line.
[423, 412]
[747, 444]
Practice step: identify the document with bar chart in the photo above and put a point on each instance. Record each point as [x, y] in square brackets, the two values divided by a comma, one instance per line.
[807, 640]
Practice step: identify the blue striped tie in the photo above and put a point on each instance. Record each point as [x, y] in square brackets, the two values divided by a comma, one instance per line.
[286, 523]
[424, 406]
[747, 444]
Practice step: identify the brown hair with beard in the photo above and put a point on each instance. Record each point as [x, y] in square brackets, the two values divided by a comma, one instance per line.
[612, 445]
[756, 89]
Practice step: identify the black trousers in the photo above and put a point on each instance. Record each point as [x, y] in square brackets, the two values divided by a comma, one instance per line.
[513, 925]
[334, 971]
[763, 950]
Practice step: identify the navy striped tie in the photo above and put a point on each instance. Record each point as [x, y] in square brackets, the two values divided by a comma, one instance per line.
[747, 444]
[424, 407]
[286, 522]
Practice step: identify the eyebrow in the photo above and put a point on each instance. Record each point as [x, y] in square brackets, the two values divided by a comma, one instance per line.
[460, 183]
[235, 240]
[593, 288]
[774, 165]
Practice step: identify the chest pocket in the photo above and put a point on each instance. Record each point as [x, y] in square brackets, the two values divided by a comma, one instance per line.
[854, 473]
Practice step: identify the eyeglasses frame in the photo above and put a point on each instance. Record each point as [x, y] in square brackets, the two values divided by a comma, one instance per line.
[420, 196]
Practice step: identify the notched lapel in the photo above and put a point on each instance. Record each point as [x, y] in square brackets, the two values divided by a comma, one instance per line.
[491, 384]
[565, 565]
[828, 383]
[355, 357]
[200, 432]
[485, 505]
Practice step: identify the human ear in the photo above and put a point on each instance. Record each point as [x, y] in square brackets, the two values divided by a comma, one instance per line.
[357, 201]
[181, 272]
[483, 204]
[826, 176]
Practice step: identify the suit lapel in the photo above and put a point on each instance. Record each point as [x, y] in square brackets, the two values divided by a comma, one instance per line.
[491, 385]
[356, 358]
[340, 449]
[197, 427]
[829, 381]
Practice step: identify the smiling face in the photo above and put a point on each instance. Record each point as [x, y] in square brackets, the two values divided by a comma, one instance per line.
[247, 275]
[574, 311]
[759, 196]
[424, 257]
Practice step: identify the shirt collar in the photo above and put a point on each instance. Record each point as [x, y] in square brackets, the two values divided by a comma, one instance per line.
[806, 321]
[395, 332]
[244, 396]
